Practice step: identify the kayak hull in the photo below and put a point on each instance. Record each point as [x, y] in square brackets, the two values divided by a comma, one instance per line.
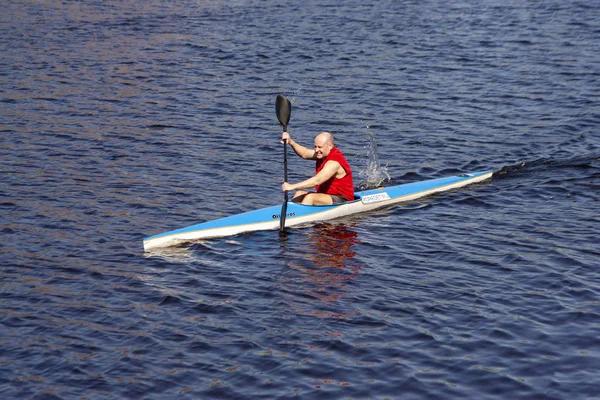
[298, 214]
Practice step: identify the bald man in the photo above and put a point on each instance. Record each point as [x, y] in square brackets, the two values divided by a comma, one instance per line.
[333, 176]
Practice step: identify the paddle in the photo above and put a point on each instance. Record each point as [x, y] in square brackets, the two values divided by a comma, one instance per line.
[283, 108]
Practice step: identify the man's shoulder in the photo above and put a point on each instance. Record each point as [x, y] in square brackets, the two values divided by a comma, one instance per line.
[335, 152]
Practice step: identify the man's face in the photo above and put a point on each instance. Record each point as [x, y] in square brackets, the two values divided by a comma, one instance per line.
[322, 147]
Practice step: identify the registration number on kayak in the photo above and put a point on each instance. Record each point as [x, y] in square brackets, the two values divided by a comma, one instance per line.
[374, 198]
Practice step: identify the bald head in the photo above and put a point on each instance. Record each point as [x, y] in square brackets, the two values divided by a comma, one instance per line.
[323, 144]
[325, 137]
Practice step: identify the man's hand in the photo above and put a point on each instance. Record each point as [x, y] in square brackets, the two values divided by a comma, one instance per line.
[285, 136]
[286, 187]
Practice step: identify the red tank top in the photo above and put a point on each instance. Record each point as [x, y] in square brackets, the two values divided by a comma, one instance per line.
[339, 186]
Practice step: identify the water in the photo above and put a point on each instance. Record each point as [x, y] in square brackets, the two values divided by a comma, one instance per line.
[120, 120]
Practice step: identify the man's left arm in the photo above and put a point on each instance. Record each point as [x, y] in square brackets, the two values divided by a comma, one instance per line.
[329, 170]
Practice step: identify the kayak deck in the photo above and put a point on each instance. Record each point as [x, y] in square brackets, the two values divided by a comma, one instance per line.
[297, 214]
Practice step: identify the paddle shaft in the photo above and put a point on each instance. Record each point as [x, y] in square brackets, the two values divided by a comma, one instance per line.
[283, 108]
[285, 179]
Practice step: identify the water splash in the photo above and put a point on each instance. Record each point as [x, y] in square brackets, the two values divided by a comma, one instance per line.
[373, 174]
[296, 93]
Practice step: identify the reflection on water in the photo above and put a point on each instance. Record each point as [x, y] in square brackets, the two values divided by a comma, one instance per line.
[186, 252]
[174, 254]
[332, 244]
[320, 272]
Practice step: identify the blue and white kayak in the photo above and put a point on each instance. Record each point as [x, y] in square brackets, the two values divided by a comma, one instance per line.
[298, 214]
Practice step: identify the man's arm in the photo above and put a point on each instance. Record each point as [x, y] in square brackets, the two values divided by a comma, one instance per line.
[329, 169]
[302, 151]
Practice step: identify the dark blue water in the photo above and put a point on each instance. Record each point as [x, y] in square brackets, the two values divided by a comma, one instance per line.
[123, 119]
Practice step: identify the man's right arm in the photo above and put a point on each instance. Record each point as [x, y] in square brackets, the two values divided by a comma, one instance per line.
[302, 151]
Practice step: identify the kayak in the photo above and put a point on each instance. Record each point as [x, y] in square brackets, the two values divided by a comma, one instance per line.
[298, 214]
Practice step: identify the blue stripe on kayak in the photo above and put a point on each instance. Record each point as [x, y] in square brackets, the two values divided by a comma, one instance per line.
[294, 210]
[422, 186]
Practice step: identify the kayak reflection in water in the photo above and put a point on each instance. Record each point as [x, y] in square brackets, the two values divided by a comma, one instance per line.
[318, 281]
[333, 175]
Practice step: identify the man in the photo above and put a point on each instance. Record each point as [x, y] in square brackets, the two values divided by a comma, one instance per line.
[333, 177]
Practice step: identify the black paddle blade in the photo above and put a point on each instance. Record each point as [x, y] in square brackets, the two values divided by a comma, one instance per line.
[283, 108]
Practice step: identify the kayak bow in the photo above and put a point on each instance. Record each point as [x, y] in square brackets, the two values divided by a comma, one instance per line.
[269, 218]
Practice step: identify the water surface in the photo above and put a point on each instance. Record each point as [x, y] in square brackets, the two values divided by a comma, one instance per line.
[120, 120]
